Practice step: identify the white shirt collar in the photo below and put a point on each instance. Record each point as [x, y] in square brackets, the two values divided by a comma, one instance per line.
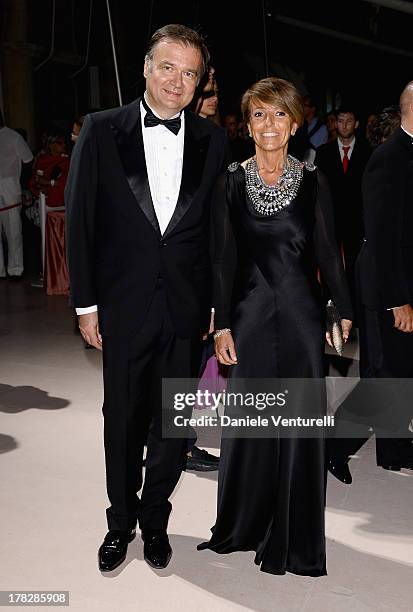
[154, 112]
[408, 133]
[351, 145]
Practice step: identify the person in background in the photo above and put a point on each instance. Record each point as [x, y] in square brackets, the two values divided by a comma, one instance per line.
[316, 130]
[369, 123]
[343, 162]
[331, 123]
[14, 155]
[385, 291]
[50, 169]
[77, 126]
[49, 176]
[205, 102]
[383, 125]
[240, 149]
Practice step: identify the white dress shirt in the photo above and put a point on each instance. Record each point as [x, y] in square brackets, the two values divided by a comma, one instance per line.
[340, 148]
[408, 133]
[164, 153]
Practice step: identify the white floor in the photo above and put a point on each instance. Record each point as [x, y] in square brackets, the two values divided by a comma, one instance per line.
[53, 499]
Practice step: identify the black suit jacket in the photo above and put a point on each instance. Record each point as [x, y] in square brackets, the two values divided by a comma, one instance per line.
[115, 249]
[386, 260]
[345, 188]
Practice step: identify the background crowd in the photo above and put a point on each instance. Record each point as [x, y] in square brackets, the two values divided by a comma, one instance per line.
[41, 177]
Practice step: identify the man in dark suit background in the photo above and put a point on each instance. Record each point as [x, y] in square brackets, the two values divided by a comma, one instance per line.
[138, 246]
[385, 281]
[343, 162]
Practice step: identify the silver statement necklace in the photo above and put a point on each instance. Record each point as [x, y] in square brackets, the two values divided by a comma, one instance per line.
[269, 199]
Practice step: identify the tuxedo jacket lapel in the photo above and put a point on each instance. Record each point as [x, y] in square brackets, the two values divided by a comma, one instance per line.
[128, 136]
[195, 151]
[406, 141]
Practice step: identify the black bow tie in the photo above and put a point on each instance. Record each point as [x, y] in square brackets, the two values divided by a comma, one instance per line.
[150, 120]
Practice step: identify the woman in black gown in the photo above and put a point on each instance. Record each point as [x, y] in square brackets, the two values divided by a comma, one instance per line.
[273, 226]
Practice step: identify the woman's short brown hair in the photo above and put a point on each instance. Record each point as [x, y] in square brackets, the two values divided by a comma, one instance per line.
[276, 92]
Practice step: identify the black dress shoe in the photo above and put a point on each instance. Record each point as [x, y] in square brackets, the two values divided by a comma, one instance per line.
[341, 471]
[113, 550]
[156, 549]
[201, 461]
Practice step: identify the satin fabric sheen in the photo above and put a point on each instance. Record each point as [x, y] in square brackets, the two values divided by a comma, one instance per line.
[56, 274]
[271, 492]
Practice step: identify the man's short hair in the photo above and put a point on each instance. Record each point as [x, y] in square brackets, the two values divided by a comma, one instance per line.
[346, 110]
[180, 33]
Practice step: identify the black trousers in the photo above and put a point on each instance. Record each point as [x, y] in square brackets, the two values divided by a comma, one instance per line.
[351, 248]
[133, 370]
[375, 405]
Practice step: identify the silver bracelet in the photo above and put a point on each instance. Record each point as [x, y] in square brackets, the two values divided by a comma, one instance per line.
[220, 332]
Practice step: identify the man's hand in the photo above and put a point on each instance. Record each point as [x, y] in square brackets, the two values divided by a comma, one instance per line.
[89, 328]
[225, 349]
[403, 318]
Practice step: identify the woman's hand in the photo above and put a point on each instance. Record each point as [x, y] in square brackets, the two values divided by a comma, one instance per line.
[346, 326]
[225, 349]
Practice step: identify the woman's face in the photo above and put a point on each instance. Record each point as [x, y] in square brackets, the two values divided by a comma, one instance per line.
[209, 104]
[270, 126]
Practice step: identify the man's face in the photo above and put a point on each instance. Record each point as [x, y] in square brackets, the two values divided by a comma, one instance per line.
[232, 126]
[171, 77]
[346, 125]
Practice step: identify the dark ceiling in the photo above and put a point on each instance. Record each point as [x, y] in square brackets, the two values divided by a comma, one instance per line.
[354, 49]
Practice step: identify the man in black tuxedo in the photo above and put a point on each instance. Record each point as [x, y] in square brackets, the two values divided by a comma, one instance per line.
[343, 162]
[138, 211]
[385, 281]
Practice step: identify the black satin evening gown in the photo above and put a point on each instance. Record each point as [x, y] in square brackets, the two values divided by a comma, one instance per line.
[271, 492]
